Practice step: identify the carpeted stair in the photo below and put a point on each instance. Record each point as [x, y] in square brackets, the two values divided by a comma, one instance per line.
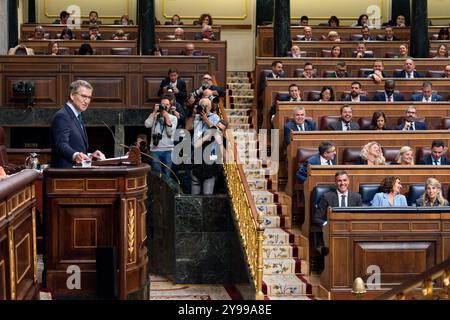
[284, 266]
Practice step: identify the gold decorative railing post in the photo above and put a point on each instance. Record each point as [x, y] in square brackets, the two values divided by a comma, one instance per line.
[260, 268]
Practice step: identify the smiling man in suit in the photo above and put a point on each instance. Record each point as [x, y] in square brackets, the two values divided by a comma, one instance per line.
[389, 94]
[410, 123]
[409, 70]
[427, 94]
[325, 157]
[69, 139]
[344, 123]
[299, 123]
[437, 156]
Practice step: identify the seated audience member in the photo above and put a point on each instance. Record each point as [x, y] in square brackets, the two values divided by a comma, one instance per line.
[341, 71]
[85, 50]
[400, 21]
[205, 19]
[173, 84]
[336, 52]
[362, 20]
[427, 94]
[206, 35]
[361, 51]
[93, 33]
[277, 72]
[175, 20]
[188, 50]
[66, 34]
[441, 52]
[156, 50]
[120, 35]
[371, 154]
[366, 34]
[378, 121]
[53, 48]
[389, 94]
[304, 20]
[308, 34]
[432, 197]
[405, 156]
[178, 33]
[125, 21]
[326, 157]
[409, 70]
[342, 197]
[295, 52]
[22, 50]
[63, 18]
[333, 22]
[390, 194]
[38, 34]
[378, 73]
[443, 34]
[437, 156]
[333, 36]
[93, 18]
[403, 52]
[389, 35]
[409, 122]
[446, 72]
[355, 93]
[344, 123]
[308, 71]
[299, 123]
[326, 94]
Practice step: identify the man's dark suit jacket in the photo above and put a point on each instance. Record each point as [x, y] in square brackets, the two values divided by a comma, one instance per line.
[427, 160]
[262, 82]
[302, 173]
[402, 74]
[334, 75]
[330, 199]
[417, 126]
[337, 125]
[383, 38]
[362, 98]
[67, 137]
[309, 125]
[419, 97]
[181, 85]
[380, 96]
[312, 39]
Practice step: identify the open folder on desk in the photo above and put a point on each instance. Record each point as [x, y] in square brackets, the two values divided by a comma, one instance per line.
[132, 158]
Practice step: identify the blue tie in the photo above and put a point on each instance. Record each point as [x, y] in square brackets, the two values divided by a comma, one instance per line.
[435, 162]
[80, 119]
[343, 201]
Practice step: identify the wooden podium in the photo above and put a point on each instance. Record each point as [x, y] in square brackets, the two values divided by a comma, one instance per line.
[86, 208]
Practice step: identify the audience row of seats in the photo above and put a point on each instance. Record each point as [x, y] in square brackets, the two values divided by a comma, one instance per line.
[359, 37]
[350, 154]
[368, 54]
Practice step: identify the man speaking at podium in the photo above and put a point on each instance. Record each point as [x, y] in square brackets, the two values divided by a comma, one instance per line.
[68, 134]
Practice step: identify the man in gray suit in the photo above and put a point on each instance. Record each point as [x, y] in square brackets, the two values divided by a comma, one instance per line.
[344, 123]
[342, 197]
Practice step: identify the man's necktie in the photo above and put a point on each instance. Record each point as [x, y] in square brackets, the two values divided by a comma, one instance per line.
[348, 126]
[343, 200]
[329, 162]
[300, 127]
[389, 98]
[80, 119]
[435, 162]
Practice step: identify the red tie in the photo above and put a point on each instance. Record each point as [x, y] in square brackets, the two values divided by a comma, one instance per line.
[389, 98]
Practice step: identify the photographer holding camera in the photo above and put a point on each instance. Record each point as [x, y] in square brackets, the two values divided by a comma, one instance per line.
[204, 172]
[207, 83]
[173, 84]
[162, 125]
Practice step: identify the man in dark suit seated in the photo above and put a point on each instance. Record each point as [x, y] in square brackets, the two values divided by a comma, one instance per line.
[325, 157]
[389, 35]
[69, 139]
[355, 93]
[294, 96]
[437, 156]
[299, 123]
[446, 72]
[206, 35]
[389, 94]
[342, 197]
[308, 71]
[409, 123]
[427, 94]
[408, 71]
[344, 123]
[341, 71]
[365, 32]
[308, 34]
[277, 72]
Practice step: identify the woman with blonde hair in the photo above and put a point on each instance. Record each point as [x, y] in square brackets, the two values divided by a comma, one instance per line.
[371, 154]
[432, 197]
[405, 156]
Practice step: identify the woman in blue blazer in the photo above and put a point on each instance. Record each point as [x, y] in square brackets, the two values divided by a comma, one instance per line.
[390, 195]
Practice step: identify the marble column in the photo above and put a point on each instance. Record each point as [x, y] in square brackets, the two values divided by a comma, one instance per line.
[3, 26]
[31, 11]
[282, 28]
[419, 46]
[146, 14]
[13, 32]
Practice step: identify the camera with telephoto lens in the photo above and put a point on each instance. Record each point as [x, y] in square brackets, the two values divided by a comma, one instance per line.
[198, 93]
[214, 99]
[200, 108]
[156, 138]
[170, 87]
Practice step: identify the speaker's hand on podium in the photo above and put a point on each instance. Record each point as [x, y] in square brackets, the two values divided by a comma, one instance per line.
[98, 155]
[80, 157]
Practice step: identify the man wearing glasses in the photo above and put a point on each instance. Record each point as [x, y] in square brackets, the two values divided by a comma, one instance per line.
[68, 133]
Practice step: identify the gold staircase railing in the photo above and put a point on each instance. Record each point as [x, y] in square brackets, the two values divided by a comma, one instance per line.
[250, 223]
[424, 281]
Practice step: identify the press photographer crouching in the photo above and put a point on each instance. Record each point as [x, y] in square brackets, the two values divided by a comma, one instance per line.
[207, 84]
[207, 141]
[162, 125]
